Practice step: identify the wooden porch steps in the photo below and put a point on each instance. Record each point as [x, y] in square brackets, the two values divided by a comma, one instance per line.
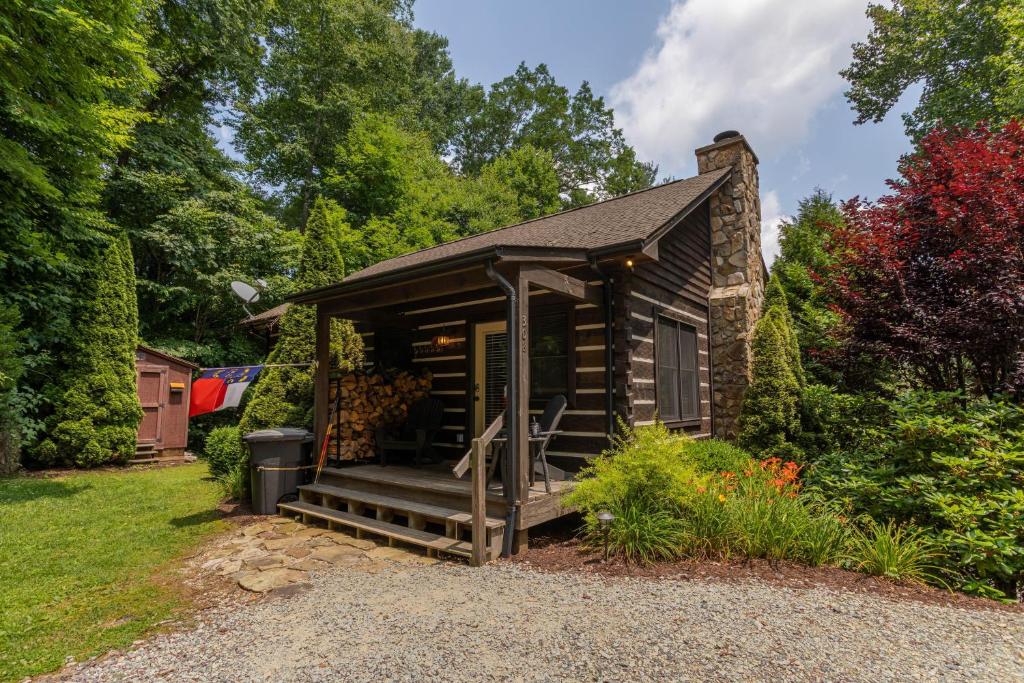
[437, 513]
[424, 539]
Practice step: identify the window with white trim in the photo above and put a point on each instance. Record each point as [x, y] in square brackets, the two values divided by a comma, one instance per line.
[676, 366]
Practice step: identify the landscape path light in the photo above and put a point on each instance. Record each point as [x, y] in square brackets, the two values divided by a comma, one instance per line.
[605, 519]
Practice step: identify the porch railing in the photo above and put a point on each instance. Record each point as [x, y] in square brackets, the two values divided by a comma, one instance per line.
[476, 460]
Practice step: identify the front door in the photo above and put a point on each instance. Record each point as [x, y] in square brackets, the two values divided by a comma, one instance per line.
[151, 388]
[490, 344]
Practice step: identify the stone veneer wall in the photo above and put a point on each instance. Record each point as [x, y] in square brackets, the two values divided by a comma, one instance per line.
[737, 287]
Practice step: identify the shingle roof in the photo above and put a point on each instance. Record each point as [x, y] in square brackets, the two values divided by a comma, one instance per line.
[621, 220]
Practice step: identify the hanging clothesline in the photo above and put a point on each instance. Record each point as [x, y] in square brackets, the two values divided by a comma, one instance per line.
[270, 365]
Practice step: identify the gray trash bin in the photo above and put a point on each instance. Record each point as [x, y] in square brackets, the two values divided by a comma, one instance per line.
[276, 459]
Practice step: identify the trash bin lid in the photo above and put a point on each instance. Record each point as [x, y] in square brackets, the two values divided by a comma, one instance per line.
[279, 434]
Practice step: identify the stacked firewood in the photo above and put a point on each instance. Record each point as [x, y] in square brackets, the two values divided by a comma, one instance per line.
[369, 401]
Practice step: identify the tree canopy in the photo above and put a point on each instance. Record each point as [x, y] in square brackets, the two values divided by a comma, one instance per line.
[968, 56]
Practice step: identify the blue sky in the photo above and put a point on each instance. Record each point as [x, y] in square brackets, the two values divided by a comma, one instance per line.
[677, 72]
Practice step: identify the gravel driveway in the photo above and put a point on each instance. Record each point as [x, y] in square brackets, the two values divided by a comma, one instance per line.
[448, 622]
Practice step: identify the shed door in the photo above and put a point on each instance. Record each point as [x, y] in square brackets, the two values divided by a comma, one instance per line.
[152, 382]
[490, 376]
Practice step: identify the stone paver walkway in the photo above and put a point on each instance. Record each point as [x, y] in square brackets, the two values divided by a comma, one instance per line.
[280, 552]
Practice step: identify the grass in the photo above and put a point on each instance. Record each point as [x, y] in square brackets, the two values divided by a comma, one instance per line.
[81, 557]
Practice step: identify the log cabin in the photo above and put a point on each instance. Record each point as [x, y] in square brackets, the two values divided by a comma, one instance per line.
[637, 308]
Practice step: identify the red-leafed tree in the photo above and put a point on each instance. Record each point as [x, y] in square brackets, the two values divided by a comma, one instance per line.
[931, 277]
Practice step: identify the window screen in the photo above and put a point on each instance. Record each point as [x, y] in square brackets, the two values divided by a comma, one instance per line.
[676, 370]
[549, 355]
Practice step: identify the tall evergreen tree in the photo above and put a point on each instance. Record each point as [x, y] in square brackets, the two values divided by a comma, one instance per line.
[97, 416]
[283, 396]
[770, 414]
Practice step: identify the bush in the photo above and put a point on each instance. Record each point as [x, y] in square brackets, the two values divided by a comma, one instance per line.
[235, 482]
[640, 533]
[716, 456]
[225, 451]
[643, 480]
[895, 552]
[951, 466]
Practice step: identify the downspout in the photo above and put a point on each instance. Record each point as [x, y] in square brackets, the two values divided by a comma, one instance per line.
[609, 356]
[510, 482]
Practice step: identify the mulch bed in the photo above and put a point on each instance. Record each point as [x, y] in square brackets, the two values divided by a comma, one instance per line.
[557, 553]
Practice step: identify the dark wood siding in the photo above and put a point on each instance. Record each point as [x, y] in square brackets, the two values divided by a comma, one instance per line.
[583, 424]
[676, 286]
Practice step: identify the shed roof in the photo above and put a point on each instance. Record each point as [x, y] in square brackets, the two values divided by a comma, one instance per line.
[166, 356]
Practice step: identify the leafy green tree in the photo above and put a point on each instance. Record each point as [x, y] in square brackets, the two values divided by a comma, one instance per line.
[71, 74]
[189, 257]
[770, 414]
[578, 130]
[283, 396]
[328, 62]
[968, 55]
[400, 196]
[97, 417]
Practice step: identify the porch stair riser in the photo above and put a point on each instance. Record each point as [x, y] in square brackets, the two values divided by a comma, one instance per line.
[382, 481]
[433, 543]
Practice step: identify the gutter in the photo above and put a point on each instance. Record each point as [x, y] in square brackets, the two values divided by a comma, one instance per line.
[509, 478]
[609, 356]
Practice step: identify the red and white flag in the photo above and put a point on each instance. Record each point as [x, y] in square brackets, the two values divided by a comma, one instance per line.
[220, 388]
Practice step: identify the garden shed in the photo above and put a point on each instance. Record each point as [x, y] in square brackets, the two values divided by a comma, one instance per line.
[164, 383]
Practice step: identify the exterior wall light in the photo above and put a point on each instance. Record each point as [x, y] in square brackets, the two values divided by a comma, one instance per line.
[629, 263]
[442, 340]
[605, 519]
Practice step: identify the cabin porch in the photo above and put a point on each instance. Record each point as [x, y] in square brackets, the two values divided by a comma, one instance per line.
[490, 316]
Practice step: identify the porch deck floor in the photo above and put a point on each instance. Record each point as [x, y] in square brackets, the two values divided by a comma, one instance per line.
[440, 478]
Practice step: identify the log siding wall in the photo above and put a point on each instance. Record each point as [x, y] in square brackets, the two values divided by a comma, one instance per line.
[675, 286]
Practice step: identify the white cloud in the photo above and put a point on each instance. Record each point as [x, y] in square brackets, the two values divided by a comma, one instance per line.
[763, 67]
[771, 218]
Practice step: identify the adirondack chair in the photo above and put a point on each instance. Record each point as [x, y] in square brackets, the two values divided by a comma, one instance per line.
[416, 435]
[549, 420]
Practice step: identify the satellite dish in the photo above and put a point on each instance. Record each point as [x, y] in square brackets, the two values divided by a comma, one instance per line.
[246, 292]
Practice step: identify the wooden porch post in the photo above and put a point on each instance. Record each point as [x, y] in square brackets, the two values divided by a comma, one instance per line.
[520, 345]
[321, 386]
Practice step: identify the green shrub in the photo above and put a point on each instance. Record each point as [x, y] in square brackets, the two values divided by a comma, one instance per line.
[96, 418]
[715, 456]
[10, 370]
[235, 482]
[826, 538]
[641, 533]
[225, 451]
[646, 464]
[953, 467]
[643, 480]
[895, 552]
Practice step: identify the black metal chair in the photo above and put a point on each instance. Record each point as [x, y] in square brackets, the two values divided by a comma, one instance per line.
[416, 435]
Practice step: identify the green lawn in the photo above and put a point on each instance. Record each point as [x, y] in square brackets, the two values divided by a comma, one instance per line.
[78, 555]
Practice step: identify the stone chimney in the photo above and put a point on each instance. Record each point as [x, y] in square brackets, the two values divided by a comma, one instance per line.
[737, 276]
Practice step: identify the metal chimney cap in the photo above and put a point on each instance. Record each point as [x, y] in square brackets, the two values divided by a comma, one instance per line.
[726, 134]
